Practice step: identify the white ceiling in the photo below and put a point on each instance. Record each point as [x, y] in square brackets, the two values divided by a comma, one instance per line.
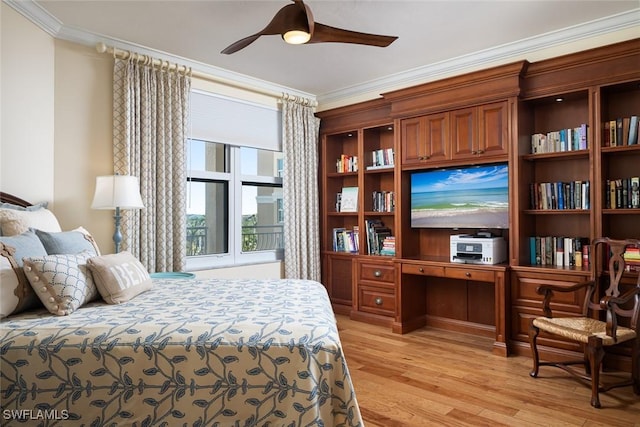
[431, 34]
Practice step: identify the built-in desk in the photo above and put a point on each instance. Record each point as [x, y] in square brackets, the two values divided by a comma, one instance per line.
[413, 276]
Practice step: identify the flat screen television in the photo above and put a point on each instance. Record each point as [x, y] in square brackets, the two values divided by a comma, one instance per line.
[461, 197]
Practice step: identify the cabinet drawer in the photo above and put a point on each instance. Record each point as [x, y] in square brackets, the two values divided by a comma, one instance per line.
[524, 286]
[467, 274]
[378, 301]
[425, 270]
[376, 272]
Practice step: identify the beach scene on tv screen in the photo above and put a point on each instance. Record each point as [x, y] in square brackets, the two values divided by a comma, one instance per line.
[470, 197]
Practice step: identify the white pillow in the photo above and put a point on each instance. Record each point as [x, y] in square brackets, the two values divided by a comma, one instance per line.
[14, 222]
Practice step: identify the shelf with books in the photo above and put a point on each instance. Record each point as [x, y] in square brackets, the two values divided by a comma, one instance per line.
[379, 238]
[560, 252]
[554, 178]
[619, 161]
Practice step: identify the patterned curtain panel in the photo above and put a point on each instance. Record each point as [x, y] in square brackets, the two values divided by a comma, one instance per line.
[300, 129]
[150, 115]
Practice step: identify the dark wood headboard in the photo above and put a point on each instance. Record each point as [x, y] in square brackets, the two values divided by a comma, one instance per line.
[10, 198]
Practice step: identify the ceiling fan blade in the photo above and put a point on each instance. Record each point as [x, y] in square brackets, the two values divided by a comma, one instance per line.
[309, 15]
[241, 44]
[283, 20]
[325, 33]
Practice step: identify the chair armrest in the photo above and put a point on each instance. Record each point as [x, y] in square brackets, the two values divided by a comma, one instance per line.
[611, 303]
[548, 290]
[607, 301]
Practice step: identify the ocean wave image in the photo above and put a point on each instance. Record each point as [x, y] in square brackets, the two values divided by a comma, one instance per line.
[476, 197]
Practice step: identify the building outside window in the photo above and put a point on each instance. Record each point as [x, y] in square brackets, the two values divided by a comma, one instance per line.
[234, 208]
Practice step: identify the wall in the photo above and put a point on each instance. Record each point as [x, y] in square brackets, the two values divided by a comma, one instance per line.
[83, 137]
[27, 108]
[57, 129]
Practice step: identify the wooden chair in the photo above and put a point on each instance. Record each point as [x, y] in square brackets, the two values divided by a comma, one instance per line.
[594, 333]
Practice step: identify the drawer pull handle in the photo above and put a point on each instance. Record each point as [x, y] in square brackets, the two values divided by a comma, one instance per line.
[378, 301]
[377, 273]
[467, 274]
[421, 270]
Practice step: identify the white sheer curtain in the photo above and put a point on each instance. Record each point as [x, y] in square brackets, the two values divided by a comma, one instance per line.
[150, 115]
[300, 129]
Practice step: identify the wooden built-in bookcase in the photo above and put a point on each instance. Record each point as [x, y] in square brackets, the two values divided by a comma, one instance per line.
[489, 116]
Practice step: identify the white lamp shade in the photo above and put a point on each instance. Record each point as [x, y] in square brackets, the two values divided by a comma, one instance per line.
[117, 191]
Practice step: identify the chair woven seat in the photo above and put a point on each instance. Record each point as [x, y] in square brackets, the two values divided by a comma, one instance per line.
[581, 328]
[609, 294]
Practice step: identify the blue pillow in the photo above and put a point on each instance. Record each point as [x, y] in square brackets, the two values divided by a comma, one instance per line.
[16, 294]
[68, 242]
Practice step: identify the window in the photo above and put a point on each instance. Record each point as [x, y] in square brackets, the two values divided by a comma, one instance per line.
[234, 208]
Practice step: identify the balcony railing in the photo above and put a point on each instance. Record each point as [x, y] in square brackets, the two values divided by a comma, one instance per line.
[262, 237]
[254, 238]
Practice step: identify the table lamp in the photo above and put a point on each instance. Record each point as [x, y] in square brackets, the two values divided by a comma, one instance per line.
[117, 192]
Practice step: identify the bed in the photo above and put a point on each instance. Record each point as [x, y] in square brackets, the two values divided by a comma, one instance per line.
[186, 352]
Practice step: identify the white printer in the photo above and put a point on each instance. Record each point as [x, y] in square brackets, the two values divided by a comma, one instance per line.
[479, 248]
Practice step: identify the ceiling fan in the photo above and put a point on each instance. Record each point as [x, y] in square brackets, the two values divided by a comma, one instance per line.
[294, 22]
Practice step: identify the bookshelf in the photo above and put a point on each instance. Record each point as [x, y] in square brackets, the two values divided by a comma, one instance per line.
[499, 114]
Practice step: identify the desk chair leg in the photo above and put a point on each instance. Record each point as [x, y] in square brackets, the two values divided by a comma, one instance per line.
[595, 352]
[533, 335]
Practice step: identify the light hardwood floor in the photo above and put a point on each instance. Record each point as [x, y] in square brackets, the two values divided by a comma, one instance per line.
[432, 377]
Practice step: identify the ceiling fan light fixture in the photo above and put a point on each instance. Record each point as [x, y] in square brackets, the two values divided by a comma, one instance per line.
[296, 37]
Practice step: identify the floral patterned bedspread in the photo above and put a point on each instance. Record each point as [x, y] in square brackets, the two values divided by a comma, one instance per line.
[186, 353]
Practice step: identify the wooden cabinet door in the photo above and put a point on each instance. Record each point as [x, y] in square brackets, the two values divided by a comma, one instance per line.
[425, 139]
[464, 133]
[493, 138]
[412, 136]
[337, 276]
[437, 134]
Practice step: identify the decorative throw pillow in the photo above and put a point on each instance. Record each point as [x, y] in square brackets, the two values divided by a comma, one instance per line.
[14, 222]
[16, 294]
[119, 277]
[62, 282]
[35, 207]
[68, 242]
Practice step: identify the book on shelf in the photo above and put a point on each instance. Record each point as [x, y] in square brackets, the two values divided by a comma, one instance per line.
[570, 139]
[633, 130]
[557, 251]
[388, 246]
[376, 233]
[347, 163]
[559, 195]
[621, 131]
[345, 240]
[632, 259]
[622, 193]
[383, 201]
[382, 159]
[349, 199]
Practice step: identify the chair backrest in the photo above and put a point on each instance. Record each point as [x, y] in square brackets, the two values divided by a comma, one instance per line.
[608, 257]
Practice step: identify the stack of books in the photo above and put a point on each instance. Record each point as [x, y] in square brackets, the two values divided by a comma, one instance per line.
[377, 232]
[632, 259]
[388, 246]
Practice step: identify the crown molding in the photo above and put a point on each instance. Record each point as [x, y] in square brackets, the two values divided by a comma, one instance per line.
[516, 50]
[43, 19]
[519, 49]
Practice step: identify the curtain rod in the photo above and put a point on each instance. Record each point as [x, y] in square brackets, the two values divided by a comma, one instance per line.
[126, 54]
